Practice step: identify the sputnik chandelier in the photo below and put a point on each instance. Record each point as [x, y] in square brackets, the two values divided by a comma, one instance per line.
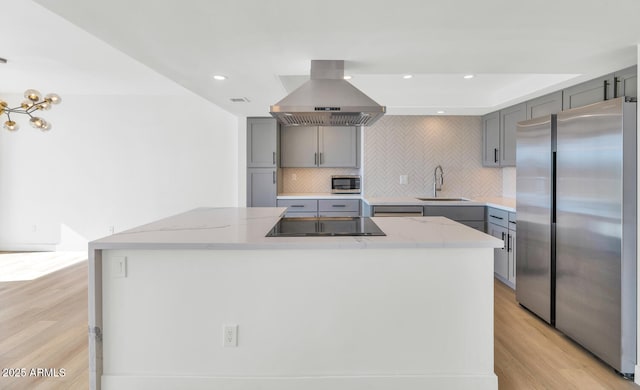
[34, 102]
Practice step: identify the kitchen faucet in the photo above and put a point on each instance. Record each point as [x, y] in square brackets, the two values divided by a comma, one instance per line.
[437, 187]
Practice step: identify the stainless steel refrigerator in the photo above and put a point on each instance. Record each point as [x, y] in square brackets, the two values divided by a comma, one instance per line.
[576, 218]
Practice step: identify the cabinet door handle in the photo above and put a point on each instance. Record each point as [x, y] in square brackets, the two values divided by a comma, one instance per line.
[274, 158]
[274, 177]
[503, 240]
[315, 158]
[606, 84]
[508, 242]
[493, 216]
[339, 205]
[297, 205]
[616, 80]
[495, 155]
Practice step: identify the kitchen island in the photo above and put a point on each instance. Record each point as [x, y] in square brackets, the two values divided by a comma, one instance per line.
[203, 300]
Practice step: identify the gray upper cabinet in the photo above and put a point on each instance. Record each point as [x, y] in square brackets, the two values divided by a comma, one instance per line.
[262, 142]
[491, 139]
[499, 136]
[324, 147]
[509, 118]
[261, 187]
[338, 147]
[589, 92]
[626, 82]
[544, 105]
[299, 146]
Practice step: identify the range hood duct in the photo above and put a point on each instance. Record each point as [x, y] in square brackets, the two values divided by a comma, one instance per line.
[327, 99]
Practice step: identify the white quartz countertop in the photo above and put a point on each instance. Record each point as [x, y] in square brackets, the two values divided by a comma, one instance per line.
[507, 204]
[317, 195]
[245, 228]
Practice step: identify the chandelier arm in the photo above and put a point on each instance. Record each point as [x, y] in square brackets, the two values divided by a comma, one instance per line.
[17, 110]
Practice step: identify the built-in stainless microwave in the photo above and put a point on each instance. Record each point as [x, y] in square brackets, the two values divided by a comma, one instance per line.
[345, 184]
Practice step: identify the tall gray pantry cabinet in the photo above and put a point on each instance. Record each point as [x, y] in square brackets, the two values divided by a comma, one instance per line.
[262, 162]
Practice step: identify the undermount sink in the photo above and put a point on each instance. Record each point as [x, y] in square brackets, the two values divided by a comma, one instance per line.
[443, 199]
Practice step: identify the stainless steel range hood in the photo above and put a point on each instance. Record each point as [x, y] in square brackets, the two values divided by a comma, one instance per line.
[327, 100]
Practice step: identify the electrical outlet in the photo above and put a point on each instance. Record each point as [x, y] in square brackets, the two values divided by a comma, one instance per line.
[404, 179]
[119, 267]
[230, 335]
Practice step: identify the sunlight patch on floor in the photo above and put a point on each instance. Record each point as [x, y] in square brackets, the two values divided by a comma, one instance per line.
[21, 266]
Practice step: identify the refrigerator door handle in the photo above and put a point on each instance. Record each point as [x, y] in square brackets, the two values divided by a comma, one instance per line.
[495, 155]
[554, 175]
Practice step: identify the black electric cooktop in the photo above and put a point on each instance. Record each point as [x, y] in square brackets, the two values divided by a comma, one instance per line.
[325, 226]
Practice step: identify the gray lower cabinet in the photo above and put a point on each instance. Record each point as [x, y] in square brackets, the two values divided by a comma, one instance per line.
[544, 105]
[320, 207]
[511, 248]
[338, 207]
[502, 225]
[299, 207]
[262, 189]
[500, 257]
[472, 216]
[322, 147]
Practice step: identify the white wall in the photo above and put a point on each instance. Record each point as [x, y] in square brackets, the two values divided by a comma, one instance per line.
[116, 161]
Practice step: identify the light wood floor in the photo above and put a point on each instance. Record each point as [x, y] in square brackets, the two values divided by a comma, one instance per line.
[529, 354]
[43, 324]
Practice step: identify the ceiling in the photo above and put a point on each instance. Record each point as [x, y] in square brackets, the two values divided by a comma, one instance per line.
[516, 50]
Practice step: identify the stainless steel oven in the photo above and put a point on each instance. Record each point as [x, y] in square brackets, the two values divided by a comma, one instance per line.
[345, 184]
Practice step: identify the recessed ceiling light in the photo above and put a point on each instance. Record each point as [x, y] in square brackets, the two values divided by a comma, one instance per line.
[219, 77]
[347, 77]
[468, 76]
[407, 76]
[440, 112]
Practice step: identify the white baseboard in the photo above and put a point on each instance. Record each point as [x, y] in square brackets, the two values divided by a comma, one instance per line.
[636, 375]
[450, 382]
[27, 247]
